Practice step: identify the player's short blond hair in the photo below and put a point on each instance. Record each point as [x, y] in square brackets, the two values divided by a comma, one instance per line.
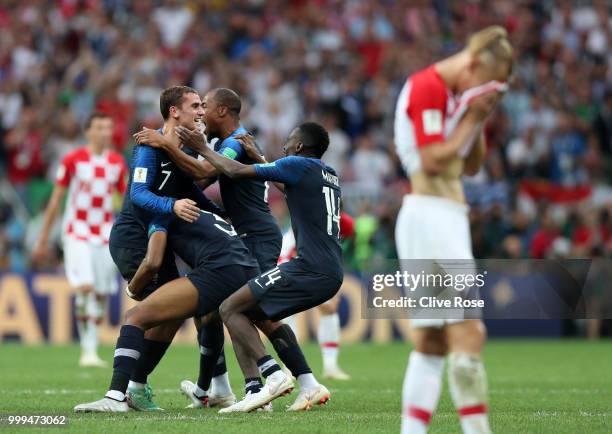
[491, 45]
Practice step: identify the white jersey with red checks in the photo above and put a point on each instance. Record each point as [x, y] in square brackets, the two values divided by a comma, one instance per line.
[427, 112]
[91, 180]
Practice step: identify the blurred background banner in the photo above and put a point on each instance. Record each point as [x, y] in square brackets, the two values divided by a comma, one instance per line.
[545, 190]
[38, 307]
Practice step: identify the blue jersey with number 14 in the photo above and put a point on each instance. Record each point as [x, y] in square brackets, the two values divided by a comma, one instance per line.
[313, 198]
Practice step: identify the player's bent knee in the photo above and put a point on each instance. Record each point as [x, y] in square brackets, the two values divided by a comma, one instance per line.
[267, 327]
[467, 337]
[226, 310]
[329, 307]
[136, 316]
[210, 319]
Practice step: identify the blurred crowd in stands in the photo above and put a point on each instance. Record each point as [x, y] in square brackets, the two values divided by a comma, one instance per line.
[546, 188]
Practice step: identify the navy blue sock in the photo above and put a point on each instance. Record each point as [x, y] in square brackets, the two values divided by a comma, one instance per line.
[127, 353]
[220, 367]
[152, 353]
[286, 345]
[211, 345]
[267, 366]
[252, 385]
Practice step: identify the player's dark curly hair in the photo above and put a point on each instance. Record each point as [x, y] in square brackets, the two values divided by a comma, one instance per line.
[228, 98]
[314, 137]
[173, 96]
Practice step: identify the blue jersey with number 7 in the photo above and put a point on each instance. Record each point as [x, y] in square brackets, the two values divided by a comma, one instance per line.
[313, 198]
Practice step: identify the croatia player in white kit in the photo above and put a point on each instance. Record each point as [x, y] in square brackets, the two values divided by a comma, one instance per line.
[439, 119]
[90, 174]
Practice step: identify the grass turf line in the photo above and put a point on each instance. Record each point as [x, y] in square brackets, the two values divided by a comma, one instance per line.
[535, 387]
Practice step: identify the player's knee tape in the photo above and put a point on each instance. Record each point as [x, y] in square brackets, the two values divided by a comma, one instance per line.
[467, 379]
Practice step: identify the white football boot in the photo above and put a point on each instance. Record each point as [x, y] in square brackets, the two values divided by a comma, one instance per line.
[278, 384]
[309, 398]
[104, 405]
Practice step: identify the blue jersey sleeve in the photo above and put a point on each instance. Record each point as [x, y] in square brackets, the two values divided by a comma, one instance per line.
[144, 172]
[204, 203]
[231, 148]
[288, 170]
[159, 223]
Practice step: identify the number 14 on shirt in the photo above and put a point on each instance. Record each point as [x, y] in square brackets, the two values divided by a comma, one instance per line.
[333, 210]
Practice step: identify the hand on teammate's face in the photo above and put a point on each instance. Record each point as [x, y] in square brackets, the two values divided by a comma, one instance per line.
[248, 144]
[482, 106]
[193, 139]
[186, 209]
[150, 137]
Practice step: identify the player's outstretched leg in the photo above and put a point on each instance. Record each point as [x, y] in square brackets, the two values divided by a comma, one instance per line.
[467, 379]
[176, 300]
[328, 335]
[156, 342]
[212, 362]
[423, 380]
[244, 334]
[286, 345]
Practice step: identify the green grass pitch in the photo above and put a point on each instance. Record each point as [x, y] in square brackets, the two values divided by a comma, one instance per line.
[535, 387]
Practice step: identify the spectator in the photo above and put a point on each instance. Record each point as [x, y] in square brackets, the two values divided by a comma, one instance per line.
[544, 237]
[370, 165]
[173, 20]
[301, 60]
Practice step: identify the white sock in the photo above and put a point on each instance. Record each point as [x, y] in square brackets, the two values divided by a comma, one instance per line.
[115, 394]
[135, 385]
[89, 342]
[200, 392]
[81, 316]
[291, 322]
[221, 385]
[421, 391]
[307, 381]
[328, 336]
[467, 382]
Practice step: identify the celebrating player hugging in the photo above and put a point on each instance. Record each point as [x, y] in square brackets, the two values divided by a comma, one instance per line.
[225, 262]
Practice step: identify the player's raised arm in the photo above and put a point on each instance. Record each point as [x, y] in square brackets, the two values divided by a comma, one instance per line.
[439, 152]
[227, 166]
[248, 144]
[145, 168]
[196, 169]
[474, 160]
